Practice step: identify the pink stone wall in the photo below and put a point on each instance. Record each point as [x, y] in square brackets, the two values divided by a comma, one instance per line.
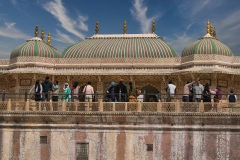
[173, 136]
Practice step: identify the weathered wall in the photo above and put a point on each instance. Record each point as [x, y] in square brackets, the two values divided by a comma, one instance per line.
[120, 136]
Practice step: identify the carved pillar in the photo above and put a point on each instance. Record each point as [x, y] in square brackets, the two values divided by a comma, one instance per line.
[100, 88]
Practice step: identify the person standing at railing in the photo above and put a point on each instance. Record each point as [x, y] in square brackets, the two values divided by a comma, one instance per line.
[206, 94]
[75, 92]
[66, 93]
[131, 93]
[37, 89]
[171, 91]
[111, 93]
[198, 90]
[186, 91]
[89, 93]
[121, 87]
[191, 92]
[47, 86]
[55, 91]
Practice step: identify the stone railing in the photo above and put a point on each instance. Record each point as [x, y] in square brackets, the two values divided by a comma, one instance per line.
[157, 107]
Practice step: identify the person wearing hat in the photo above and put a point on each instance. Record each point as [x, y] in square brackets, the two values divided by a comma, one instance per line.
[111, 93]
[66, 93]
[121, 87]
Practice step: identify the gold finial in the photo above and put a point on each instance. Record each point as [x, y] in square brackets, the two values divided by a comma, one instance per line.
[96, 30]
[208, 28]
[214, 34]
[36, 30]
[211, 29]
[125, 27]
[42, 34]
[153, 26]
[49, 38]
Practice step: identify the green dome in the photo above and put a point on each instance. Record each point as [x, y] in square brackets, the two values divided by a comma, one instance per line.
[35, 47]
[121, 46]
[207, 45]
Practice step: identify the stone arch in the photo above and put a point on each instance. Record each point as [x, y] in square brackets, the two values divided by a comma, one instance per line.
[149, 90]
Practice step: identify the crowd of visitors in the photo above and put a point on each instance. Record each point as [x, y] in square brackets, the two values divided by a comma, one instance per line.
[192, 92]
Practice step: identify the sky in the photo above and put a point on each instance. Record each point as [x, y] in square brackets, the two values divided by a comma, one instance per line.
[178, 22]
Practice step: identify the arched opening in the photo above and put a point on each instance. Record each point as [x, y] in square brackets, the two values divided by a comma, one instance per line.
[151, 93]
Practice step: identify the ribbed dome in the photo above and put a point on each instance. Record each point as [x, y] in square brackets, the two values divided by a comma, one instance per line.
[207, 45]
[121, 46]
[35, 47]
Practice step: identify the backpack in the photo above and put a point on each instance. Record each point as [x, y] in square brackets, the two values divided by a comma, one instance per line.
[232, 98]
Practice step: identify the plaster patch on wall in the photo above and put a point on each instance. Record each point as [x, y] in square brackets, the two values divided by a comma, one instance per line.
[199, 145]
[157, 150]
[177, 145]
[60, 145]
[135, 145]
[30, 144]
[223, 145]
[7, 144]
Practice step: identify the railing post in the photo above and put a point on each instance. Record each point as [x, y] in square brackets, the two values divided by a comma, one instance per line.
[9, 105]
[87, 109]
[51, 105]
[219, 107]
[159, 106]
[201, 106]
[27, 105]
[126, 106]
[120, 97]
[177, 106]
[40, 106]
[100, 105]
[3, 95]
[139, 106]
[114, 108]
[64, 106]
[25, 96]
[76, 106]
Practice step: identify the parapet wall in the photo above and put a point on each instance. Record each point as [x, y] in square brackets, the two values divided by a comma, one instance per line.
[131, 135]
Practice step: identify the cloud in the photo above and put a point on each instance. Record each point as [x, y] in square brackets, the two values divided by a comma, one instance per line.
[10, 31]
[61, 37]
[57, 9]
[139, 12]
[179, 42]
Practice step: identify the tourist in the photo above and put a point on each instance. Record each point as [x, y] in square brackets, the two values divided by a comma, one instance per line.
[37, 89]
[111, 93]
[47, 86]
[218, 95]
[198, 90]
[89, 92]
[186, 91]
[232, 97]
[66, 93]
[206, 94]
[131, 93]
[139, 95]
[171, 91]
[191, 92]
[75, 92]
[121, 87]
[55, 91]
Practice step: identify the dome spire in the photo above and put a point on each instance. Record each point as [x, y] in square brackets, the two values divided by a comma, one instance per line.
[214, 34]
[42, 34]
[49, 38]
[96, 30]
[125, 27]
[211, 29]
[153, 26]
[208, 28]
[36, 30]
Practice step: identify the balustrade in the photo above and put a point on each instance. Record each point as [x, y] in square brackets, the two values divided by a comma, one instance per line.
[100, 106]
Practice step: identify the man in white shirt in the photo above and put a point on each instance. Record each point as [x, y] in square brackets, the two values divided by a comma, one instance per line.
[89, 93]
[171, 91]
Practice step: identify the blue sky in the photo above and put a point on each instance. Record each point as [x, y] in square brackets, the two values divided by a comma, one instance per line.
[178, 22]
